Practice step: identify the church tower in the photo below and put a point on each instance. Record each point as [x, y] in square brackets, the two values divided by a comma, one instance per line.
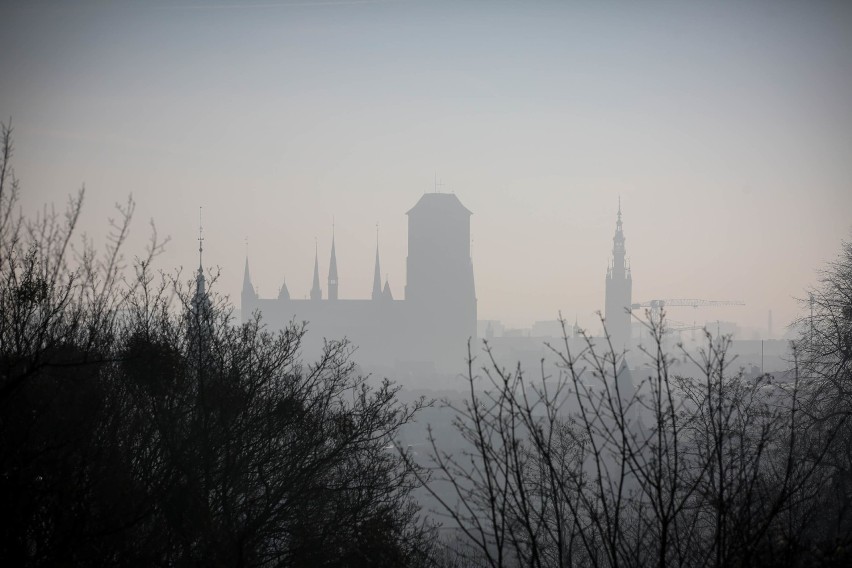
[619, 285]
[439, 278]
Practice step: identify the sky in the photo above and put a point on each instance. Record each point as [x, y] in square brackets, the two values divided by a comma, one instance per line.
[724, 127]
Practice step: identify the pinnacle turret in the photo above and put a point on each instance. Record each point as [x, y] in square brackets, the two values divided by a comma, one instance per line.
[284, 293]
[316, 291]
[248, 288]
[332, 271]
[377, 273]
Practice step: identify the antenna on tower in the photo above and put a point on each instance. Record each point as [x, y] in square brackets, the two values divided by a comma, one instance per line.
[437, 183]
[200, 238]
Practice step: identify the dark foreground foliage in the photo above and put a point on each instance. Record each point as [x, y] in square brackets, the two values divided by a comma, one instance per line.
[592, 465]
[140, 426]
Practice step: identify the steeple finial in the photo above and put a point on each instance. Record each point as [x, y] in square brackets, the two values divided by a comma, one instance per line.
[199, 278]
[200, 239]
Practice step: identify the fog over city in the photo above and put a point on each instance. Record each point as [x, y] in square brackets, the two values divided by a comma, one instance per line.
[384, 283]
[725, 130]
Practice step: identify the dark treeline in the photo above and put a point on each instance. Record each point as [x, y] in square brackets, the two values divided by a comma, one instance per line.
[139, 425]
[597, 465]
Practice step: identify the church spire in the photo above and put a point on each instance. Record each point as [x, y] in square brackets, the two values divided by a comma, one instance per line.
[386, 292]
[283, 292]
[377, 274]
[200, 301]
[200, 315]
[248, 289]
[619, 265]
[199, 279]
[316, 291]
[332, 270]
[619, 285]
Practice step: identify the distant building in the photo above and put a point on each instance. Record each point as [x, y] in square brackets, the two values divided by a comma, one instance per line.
[430, 327]
[619, 285]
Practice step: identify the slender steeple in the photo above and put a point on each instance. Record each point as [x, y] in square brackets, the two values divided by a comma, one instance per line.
[316, 291]
[200, 301]
[377, 274]
[332, 270]
[248, 289]
[619, 266]
[284, 293]
[199, 279]
[619, 284]
[200, 315]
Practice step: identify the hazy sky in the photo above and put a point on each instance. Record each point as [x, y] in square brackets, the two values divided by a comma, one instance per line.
[725, 127]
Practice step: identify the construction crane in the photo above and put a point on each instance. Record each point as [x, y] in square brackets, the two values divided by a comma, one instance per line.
[657, 305]
[689, 302]
[676, 326]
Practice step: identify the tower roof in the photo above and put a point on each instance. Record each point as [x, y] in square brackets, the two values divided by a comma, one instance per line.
[438, 202]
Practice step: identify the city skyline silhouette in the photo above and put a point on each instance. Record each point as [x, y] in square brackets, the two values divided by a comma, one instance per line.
[724, 130]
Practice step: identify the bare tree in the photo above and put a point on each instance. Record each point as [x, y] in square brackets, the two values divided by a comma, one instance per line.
[587, 467]
[140, 425]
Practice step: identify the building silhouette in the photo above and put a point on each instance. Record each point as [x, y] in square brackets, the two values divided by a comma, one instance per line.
[427, 330]
[619, 285]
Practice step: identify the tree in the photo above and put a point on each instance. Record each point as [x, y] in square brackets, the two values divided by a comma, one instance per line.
[140, 425]
[585, 467]
[824, 351]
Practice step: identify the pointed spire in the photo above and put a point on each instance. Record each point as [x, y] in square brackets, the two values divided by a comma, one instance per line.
[316, 291]
[377, 274]
[248, 289]
[199, 279]
[619, 266]
[284, 293]
[332, 270]
[386, 293]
